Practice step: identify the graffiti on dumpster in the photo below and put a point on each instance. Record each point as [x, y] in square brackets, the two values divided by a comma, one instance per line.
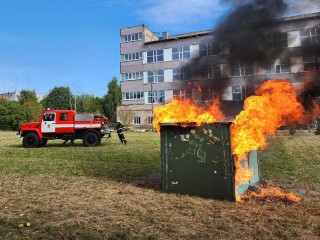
[197, 142]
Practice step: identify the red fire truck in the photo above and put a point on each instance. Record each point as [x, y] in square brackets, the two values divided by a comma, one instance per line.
[65, 125]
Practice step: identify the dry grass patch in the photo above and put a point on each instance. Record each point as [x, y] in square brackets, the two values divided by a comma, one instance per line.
[78, 195]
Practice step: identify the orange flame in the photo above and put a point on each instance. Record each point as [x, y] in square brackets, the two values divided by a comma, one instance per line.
[271, 194]
[274, 105]
[185, 111]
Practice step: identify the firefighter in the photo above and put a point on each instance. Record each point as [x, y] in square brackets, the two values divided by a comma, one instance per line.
[317, 126]
[120, 129]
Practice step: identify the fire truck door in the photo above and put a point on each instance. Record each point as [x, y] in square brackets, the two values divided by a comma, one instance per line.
[48, 124]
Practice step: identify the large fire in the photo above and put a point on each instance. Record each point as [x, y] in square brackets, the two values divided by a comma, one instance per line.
[185, 111]
[275, 104]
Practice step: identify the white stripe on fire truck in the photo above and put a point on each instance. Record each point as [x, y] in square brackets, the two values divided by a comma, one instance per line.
[78, 125]
[64, 125]
[87, 125]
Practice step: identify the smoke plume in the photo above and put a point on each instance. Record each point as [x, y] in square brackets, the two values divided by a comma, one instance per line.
[243, 29]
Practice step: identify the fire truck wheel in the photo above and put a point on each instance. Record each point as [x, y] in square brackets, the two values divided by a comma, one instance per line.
[91, 139]
[31, 140]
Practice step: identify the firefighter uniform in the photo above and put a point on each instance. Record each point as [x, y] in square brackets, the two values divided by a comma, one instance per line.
[120, 129]
[317, 126]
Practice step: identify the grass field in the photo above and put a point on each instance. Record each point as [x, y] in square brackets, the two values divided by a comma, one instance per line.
[113, 192]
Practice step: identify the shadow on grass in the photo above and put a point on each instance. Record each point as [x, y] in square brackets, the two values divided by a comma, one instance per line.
[52, 144]
[105, 161]
[49, 146]
[139, 175]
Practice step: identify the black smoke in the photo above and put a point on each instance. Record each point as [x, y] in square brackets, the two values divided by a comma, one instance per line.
[247, 39]
[310, 93]
[253, 11]
[243, 29]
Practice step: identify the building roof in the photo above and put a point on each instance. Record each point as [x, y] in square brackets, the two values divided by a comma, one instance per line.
[206, 32]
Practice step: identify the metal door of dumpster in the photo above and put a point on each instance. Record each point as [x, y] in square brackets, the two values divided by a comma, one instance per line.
[198, 160]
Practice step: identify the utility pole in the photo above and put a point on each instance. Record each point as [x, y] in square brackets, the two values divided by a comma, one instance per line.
[75, 102]
[28, 82]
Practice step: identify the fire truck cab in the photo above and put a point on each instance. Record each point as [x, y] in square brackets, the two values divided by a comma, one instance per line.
[65, 125]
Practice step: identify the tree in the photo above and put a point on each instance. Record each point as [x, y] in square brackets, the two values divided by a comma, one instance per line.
[32, 111]
[11, 115]
[58, 98]
[126, 115]
[112, 99]
[27, 96]
[31, 108]
[89, 104]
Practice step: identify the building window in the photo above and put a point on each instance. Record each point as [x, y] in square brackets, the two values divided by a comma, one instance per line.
[136, 121]
[209, 49]
[277, 40]
[155, 56]
[211, 72]
[183, 94]
[155, 76]
[156, 97]
[149, 120]
[180, 53]
[241, 69]
[132, 76]
[278, 66]
[236, 47]
[181, 74]
[311, 62]
[207, 95]
[237, 93]
[131, 57]
[131, 37]
[132, 95]
[310, 36]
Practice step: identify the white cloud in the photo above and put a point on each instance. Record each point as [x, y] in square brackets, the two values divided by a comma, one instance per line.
[181, 14]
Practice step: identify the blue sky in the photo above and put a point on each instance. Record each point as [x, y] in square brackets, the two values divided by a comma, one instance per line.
[75, 43]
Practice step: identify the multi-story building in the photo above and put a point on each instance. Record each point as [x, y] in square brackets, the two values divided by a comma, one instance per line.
[206, 64]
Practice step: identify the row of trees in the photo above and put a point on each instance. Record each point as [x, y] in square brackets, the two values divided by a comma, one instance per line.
[28, 109]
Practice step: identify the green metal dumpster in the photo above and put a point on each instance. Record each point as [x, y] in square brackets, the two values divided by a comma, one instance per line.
[197, 160]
